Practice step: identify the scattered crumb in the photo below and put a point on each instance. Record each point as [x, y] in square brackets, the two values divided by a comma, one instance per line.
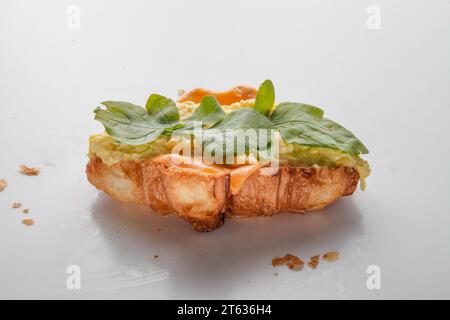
[314, 262]
[26, 211]
[181, 92]
[29, 171]
[293, 262]
[16, 205]
[156, 256]
[331, 256]
[159, 229]
[28, 222]
[3, 184]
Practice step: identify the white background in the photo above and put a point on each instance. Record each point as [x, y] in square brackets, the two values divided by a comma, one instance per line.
[389, 86]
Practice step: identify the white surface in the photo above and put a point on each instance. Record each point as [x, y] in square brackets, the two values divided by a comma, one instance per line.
[389, 86]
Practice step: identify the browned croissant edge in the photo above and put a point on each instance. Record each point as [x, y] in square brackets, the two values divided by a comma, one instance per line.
[205, 200]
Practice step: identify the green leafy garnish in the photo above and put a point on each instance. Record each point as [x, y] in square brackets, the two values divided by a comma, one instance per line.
[297, 123]
[220, 140]
[305, 125]
[209, 112]
[164, 109]
[265, 98]
[244, 118]
[134, 125]
[223, 138]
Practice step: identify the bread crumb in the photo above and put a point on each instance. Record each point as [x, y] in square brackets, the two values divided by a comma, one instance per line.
[28, 222]
[16, 205]
[331, 256]
[159, 230]
[275, 274]
[29, 171]
[291, 261]
[26, 211]
[3, 184]
[295, 263]
[156, 256]
[314, 262]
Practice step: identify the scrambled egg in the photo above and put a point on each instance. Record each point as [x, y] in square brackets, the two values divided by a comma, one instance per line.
[111, 151]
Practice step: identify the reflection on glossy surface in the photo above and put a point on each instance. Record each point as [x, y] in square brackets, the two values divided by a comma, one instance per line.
[131, 237]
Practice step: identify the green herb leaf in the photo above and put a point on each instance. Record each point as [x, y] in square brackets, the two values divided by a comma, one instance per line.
[221, 138]
[265, 98]
[164, 109]
[133, 125]
[209, 112]
[298, 123]
[305, 125]
[244, 118]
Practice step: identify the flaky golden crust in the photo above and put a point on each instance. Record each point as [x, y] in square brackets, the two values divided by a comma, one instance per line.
[293, 189]
[204, 198]
[198, 197]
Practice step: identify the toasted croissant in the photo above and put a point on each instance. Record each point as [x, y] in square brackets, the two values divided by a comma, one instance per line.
[204, 197]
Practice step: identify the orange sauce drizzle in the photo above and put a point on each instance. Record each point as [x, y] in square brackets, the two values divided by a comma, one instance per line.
[227, 97]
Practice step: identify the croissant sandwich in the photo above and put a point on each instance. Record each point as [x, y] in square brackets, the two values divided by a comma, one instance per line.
[213, 155]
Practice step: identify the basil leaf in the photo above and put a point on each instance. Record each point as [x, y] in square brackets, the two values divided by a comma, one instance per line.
[305, 125]
[164, 109]
[218, 139]
[265, 98]
[133, 125]
[209, 112]
[298, 123]
[244, 118]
